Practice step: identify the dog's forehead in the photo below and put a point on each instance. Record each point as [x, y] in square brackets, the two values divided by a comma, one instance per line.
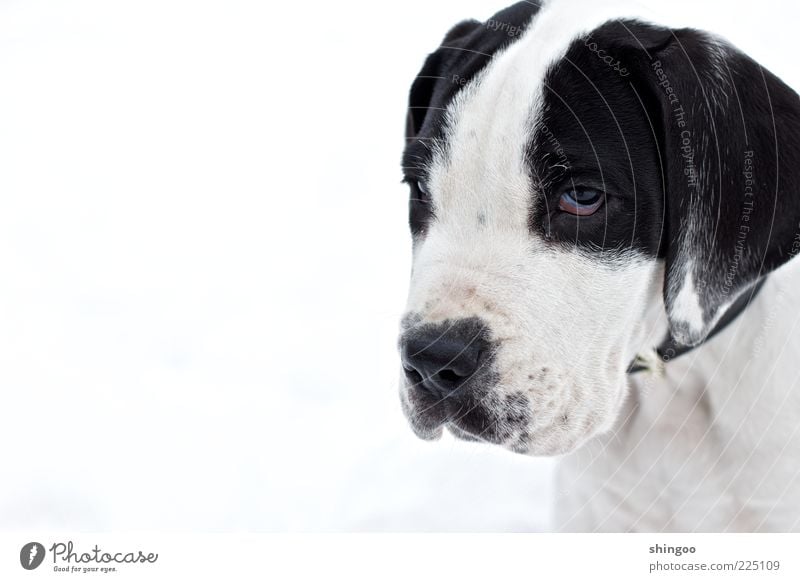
[489, 126]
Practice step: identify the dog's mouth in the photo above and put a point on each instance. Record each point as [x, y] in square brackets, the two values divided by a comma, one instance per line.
[485, 410]
[462, 434]
[479, 413]
[475, 426]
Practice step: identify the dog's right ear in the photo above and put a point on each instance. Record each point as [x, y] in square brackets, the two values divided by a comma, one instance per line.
[730, 149]
[432, 73]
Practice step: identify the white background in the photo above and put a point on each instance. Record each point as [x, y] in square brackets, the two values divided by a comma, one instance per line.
[203, 259]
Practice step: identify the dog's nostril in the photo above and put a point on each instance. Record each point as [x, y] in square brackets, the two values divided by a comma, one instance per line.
[413, 376]
[449, 376]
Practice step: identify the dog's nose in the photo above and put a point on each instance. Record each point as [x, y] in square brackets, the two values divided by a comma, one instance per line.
[442, 357]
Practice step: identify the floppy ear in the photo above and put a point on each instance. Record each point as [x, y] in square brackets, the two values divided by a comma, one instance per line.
[465, 49]
[422, 90]
[731, 161]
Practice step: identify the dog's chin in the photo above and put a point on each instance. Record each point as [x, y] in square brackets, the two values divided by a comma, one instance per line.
[540, 444]
[548, 442]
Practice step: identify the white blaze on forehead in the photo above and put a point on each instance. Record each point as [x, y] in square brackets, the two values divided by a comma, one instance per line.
[481, 173]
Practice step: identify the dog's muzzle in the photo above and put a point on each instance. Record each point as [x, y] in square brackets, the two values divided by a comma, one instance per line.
[449, 376]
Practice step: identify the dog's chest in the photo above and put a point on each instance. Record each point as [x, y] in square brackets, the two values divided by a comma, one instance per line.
[713, 446]
[679, 474]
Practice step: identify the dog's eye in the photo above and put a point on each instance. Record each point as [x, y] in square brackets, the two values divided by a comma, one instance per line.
[419, 206]
[581, 201]
[422, 192]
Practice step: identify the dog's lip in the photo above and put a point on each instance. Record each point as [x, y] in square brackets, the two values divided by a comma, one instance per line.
[430, 416]
[462, 434]
[427, 434]
[428, 423]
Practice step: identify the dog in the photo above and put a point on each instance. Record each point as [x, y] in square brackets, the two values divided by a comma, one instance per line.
[604, 213]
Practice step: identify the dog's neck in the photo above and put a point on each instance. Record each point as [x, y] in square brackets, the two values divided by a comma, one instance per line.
[709, 445]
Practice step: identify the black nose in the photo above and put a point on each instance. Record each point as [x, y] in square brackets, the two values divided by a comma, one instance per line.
[442, 357]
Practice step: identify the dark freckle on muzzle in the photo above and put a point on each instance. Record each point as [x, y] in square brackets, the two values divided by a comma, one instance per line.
[516, 416]
[522, 443]
[518, 409]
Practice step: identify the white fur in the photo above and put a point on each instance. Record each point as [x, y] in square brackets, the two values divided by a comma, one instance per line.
[687, 309]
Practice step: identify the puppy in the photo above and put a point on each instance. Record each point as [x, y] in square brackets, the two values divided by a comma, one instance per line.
[593, 195]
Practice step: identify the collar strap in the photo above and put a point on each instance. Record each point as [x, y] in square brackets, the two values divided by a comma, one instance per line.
[670, 349]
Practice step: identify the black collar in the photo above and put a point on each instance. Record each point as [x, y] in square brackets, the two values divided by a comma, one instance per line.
[670, 349]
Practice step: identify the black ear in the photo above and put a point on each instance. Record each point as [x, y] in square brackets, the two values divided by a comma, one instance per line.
[422, 90]
[731, 166]
[464, 51]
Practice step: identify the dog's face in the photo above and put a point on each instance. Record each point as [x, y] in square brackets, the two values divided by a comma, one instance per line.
[560, 207]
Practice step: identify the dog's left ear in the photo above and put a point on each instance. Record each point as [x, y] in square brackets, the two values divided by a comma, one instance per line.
[730, 139]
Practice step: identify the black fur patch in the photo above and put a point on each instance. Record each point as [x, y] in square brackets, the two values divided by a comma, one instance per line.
[465, 51]
[708, 172]
[597, 130]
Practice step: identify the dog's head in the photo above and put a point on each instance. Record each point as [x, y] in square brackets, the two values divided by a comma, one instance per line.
[580, 185]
